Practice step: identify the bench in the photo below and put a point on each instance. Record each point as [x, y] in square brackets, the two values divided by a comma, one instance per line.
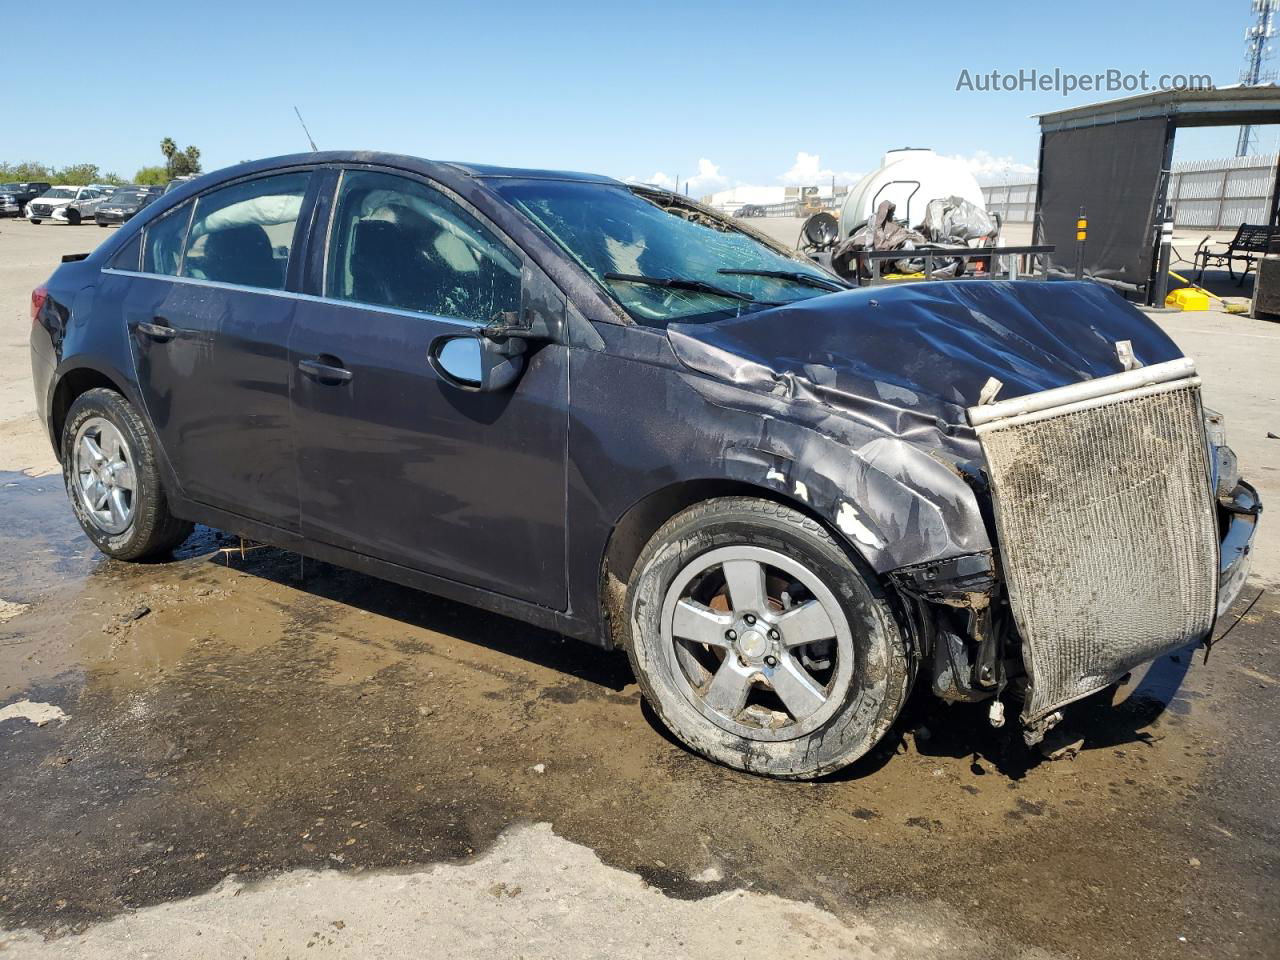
[1251, 242]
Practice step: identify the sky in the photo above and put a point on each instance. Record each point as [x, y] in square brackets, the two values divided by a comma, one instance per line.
[714, 93]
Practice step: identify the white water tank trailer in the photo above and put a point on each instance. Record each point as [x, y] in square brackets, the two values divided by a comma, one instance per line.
[910, 177]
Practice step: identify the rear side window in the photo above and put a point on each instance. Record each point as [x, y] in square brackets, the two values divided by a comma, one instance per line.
[126, 257]
[244, 233]
[162, 245]
[398, 243]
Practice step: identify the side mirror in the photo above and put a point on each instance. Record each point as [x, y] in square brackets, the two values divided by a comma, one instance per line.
[478, 362]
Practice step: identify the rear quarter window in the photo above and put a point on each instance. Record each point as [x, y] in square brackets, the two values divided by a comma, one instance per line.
[129, 256]
[163, 241]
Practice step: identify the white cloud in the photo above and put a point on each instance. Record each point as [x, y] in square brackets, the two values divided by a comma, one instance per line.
[707, 178]
[808, 171]
[985, 165]
[657, 179]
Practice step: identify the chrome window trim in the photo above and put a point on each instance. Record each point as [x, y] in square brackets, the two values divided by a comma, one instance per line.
[291, 295]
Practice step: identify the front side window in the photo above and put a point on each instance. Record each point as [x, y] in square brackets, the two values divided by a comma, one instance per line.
[243, 233]
[162, 244]
[398, 243]
[626, 241]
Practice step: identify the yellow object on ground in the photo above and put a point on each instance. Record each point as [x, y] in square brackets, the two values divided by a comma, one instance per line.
[1188, 298]
[1192, 297]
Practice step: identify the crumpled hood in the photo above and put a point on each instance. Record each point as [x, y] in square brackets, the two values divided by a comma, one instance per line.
[925, 347]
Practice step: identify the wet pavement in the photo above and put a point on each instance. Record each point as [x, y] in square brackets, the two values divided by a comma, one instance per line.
[251, 714]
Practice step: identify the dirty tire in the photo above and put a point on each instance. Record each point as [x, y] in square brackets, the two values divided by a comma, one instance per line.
[73, 217]
[881, 678]
[153, 531]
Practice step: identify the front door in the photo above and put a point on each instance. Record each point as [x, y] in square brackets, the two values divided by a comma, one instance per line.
[395, 462]
[209, 321]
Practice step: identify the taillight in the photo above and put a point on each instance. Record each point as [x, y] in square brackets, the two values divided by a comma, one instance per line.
[38, 296]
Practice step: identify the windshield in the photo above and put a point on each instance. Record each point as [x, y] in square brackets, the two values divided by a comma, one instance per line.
[609, 230]
[124, 198]
[61, 193]
[9, 187]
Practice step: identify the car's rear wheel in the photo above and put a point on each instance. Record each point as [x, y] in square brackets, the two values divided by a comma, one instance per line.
[109, 466]
[761, 642]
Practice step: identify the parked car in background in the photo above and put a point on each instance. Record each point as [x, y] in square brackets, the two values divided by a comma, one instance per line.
[176, 182]
[749, 210]
[124, 203]
[106, 189]
[66, 204]
[611, 411]
[14, 197]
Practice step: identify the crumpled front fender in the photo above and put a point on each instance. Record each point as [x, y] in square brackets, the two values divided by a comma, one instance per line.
[898, 500]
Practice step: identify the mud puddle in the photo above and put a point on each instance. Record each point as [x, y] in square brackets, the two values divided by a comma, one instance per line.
[257, 714]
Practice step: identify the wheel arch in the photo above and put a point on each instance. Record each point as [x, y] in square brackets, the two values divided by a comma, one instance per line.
[642, 519]
[70, 385]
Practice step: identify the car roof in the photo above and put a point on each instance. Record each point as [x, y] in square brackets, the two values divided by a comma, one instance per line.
[441, 170]
[491, 172]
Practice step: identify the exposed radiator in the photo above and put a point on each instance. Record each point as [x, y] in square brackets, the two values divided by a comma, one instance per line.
[1105, 516]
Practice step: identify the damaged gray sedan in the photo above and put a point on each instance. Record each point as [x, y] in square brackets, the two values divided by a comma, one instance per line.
[611, 412]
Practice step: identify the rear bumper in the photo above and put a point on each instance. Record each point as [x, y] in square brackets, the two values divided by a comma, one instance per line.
[1243, 510]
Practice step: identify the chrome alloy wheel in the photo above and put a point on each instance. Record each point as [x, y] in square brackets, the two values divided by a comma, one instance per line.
[757, 643]
[104, 476]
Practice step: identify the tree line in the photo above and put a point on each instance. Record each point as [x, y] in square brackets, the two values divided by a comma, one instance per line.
[177, 163]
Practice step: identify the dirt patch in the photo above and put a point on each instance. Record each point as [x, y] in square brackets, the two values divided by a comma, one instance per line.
[268, 715]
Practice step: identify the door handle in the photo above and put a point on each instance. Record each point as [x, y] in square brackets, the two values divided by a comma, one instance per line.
[157, 331]
[332, 372]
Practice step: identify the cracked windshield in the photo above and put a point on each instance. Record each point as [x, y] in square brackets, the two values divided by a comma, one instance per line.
[664, 263]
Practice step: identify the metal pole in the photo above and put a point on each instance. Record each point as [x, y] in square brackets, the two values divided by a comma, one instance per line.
[1082, 230]
[1162, 274]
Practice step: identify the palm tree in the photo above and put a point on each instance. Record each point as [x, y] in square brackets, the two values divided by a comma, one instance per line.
[168, 148]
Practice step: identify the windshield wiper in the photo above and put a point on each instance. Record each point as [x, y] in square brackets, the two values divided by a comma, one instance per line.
[682, 283]
[808, 279]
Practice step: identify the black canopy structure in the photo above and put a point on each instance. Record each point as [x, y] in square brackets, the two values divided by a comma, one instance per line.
[1111, 161]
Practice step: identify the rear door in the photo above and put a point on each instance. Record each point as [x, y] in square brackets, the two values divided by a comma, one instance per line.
[393, 461]
[209, 317]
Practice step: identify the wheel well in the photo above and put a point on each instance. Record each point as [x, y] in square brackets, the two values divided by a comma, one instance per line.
[72, 385]
[638, 525]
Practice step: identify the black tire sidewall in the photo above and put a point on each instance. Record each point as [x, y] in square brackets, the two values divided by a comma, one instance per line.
[874, 696]
[151, 522]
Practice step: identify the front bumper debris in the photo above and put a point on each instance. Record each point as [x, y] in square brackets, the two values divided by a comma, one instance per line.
[1243, 509]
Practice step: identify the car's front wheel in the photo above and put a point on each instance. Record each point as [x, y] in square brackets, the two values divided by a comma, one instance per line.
[35, 221]
[109, 466]
[761, 642]
[73, 217]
